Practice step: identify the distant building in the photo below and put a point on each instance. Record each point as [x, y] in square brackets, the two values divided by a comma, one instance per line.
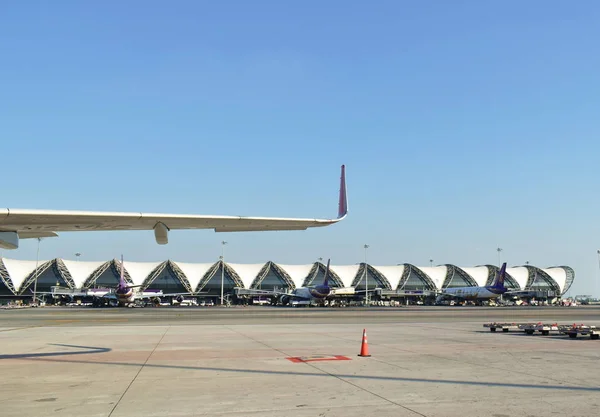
[17, 277]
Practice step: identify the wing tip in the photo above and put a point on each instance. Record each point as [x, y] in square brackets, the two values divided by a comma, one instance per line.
[343, 198]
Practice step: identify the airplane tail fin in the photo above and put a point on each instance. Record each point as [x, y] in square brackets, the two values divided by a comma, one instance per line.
[499, 280]
[343, 202]
[326, 279]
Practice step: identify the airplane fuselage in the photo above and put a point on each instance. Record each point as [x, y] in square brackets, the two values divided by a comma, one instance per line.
[318, 292]
[475, 293]
[124, 296]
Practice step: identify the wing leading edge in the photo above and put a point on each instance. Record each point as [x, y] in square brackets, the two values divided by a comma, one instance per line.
[26, 224]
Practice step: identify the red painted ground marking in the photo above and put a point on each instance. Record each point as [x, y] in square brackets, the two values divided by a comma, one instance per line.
[300, 359]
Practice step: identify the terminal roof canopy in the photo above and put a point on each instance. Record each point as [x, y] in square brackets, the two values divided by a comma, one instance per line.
[81, 270]
[195, 276]
[298, 273]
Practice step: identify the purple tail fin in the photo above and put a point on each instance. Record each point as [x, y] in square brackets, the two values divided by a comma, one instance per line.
[326, 279]
[499, 280]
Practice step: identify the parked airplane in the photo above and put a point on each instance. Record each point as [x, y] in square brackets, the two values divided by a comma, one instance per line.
[126, 296]
[479, 293]
[123, 295]
[315, 293]
[16, 224]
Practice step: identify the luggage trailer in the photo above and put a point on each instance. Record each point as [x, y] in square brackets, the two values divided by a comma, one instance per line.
[574, 330]
[530, 328]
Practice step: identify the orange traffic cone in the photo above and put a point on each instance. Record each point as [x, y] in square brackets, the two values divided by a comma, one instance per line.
[364, 347]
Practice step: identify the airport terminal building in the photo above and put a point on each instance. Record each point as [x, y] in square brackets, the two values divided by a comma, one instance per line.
[18, 277]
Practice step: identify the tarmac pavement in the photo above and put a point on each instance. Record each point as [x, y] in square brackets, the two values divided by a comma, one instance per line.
[426, 361]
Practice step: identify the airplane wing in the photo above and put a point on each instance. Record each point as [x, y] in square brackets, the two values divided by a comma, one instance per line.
[18, 224]
[519, 293]
[38, 293]
[294, 296]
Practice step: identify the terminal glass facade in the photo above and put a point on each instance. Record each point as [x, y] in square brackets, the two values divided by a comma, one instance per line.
[414, 282]
[373, 281]
[46, 280]
[271, 281]
[213, 286]
[167, 282]
[108, 278]
[457, 280]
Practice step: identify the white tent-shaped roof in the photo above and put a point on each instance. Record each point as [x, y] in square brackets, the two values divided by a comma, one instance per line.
[194, 272]
[559, 275]
[436, 273]
[347, 273]
[479, 274]
[297, 273]
[18, 270]
[139, 271]
[392, 273]
[247, 272]
[81, 270]
[520, 274]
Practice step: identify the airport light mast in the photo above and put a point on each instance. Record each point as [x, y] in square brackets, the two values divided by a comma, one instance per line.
[37, 261]
[598, 252]
[366, 276]
[223, 243]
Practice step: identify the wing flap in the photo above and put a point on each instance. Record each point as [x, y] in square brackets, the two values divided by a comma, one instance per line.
[35, 235]
[265, 228]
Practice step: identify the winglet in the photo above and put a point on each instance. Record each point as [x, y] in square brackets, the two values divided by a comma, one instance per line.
[326, 279]
[343, 203]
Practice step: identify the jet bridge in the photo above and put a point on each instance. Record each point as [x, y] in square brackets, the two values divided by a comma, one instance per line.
[395, 294]
[251, 292]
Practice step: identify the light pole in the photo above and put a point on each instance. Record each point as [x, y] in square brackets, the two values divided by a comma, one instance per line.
[431, 262]
[223, 243]
[77, 255]
[37, 261]
[366, 275]
[598, 252]
[500, 250]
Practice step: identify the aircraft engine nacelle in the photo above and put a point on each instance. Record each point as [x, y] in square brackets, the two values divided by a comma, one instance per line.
[161, 233]
[9, 240]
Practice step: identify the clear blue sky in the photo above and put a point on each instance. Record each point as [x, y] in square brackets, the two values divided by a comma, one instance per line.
[465, 126]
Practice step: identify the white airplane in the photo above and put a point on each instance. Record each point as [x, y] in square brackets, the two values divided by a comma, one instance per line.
[16, 224]
[315, 293]
[487, 292]
[126, 296]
